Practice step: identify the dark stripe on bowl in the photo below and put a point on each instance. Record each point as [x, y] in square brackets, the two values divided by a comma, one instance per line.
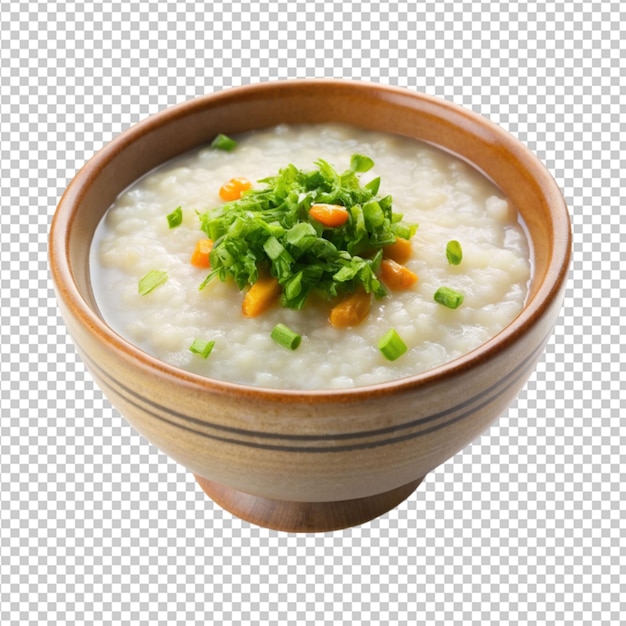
[131, 397]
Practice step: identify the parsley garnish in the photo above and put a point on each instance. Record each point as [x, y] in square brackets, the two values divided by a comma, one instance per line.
[269, 230]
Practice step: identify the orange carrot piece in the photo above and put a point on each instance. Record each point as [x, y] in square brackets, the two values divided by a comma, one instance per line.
[396, 276]
[331, 215]
[200, 255]
[399, 251]
[352, 310]
[233, 189]
[260, 296]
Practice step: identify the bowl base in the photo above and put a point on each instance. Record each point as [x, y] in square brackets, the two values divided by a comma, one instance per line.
[305, 517]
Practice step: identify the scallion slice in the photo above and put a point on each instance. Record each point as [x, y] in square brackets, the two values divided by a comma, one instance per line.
[284, 336]
[151, 280]
[223, 142]
[454, 253]
[448, 297]
[201, 347]
[391, 345]
[175, 218]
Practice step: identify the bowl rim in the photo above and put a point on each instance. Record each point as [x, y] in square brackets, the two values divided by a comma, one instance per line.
[69, 293]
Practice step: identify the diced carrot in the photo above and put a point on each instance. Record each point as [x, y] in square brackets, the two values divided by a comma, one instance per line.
[331, 215]
[396, 276]
[399, 251]
[200, 255]
[352, 310]
[233, 189]
[260, 296]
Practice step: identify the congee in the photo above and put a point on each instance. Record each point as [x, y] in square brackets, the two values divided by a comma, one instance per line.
[310, 257]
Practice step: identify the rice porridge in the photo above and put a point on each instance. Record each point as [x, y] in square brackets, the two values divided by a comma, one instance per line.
[447, 199]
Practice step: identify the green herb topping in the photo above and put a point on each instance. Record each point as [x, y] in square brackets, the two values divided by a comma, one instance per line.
[284, 336]
[454, 253]
[175, 218]
[223, 142]
[271, 230]
[202, 347]
[448, 297]
[151, 280]
[391, 345]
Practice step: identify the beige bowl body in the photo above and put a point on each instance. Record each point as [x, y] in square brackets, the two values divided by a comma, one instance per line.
[326, 446]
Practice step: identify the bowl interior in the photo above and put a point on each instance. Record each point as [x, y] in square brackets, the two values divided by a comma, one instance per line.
[519, 175]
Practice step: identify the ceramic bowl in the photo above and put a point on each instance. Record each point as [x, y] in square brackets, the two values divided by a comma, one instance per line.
[311, 460]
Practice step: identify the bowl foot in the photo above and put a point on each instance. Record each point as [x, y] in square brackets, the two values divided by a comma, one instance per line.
[306, 517]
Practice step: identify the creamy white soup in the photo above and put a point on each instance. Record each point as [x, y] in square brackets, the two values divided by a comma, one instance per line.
[441, 199]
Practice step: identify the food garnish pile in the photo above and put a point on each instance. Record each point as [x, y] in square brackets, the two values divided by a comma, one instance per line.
[302, 234]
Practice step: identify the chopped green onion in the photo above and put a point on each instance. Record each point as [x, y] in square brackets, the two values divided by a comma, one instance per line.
[151, 280]
[454, 252]
[361, 163]
[175, 218]
[201, 347]
[223, 142]
[448, 297]
[391, 345]
[284, 336]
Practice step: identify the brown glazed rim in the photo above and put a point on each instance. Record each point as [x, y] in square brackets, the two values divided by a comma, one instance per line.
[68, 290]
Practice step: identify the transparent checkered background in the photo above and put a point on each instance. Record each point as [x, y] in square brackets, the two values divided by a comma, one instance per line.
[522, 527]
